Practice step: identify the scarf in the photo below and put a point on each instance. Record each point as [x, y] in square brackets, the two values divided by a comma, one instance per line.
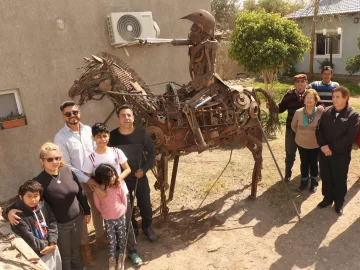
[309, 118]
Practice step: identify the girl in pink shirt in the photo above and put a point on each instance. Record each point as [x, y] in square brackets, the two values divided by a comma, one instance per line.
[112, 209]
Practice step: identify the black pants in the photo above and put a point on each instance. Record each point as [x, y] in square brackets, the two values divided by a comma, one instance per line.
[290, 149]
[309, 161]
[143, 201]
[333, 173]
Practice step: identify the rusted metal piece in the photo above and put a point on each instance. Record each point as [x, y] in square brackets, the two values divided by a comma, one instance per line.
[204, 114]
[173, 177]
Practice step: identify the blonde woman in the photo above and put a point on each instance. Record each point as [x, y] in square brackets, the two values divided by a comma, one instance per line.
[304, 125]
[63, 193]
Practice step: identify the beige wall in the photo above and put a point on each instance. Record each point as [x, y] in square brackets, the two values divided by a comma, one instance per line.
[41, 60]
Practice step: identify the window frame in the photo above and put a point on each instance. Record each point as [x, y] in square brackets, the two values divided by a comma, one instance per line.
[323, 56]
[17, 98]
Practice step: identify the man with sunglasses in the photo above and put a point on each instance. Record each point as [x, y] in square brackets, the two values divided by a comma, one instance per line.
[292, 101]
[325, 86]
[75, 143]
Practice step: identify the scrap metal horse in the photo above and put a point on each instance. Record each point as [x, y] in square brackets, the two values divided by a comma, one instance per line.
[229, 115]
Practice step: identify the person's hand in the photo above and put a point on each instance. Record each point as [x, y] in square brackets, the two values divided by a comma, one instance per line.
[87, 219]
[48, 249]
[92, 183]
[13, 218]
[320, 108]
[139, 173]
[326, 150]
[100, 193]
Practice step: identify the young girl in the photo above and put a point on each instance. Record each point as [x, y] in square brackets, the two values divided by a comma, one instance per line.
[113, 210]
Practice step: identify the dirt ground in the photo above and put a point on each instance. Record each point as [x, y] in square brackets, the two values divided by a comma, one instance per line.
[227, 230]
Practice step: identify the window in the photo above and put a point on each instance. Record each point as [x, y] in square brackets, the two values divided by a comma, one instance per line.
[322, 44]
[10, 102]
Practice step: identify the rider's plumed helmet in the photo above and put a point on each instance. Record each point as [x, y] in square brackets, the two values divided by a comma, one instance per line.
[204, 19]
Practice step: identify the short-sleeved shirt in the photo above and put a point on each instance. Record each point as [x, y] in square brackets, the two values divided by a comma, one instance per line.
[113, 157]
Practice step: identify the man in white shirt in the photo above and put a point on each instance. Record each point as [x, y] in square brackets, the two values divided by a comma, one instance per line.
[75, 143]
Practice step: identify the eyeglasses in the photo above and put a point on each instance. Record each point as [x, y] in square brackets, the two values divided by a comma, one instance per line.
[300, 81]
[73, 112]
[51, 159]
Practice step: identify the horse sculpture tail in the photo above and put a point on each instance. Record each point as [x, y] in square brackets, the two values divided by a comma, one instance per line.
[272, 125]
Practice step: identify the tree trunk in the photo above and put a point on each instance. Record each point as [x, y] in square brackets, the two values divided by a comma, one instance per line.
[313, 40]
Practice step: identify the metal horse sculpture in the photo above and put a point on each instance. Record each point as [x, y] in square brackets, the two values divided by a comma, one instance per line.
[185, 118]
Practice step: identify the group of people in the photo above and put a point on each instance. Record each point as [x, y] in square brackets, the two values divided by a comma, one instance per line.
[87, 172]
[322, 126]
[92, 172]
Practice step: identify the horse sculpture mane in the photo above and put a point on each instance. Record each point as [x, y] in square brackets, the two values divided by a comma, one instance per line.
[223, 115]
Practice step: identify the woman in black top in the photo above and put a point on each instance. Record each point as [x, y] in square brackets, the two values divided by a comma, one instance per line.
[63, 193]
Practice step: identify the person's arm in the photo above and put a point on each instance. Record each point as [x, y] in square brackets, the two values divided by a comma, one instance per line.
[151, 153]
[10, 214]
[295, 121]
[123, 196]
[125, 171]
[66, 158]
[24, 230]
[81, 197]
[320, 133]
[283, 105]
[97, 203]
[52, 225]
[349, 137]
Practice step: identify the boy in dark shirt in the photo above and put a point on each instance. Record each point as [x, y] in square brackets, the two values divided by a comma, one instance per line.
[38, 225]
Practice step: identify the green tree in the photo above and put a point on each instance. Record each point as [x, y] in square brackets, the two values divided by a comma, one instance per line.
[353, 62]
[224, 12]
[283, 7]
[264, 43]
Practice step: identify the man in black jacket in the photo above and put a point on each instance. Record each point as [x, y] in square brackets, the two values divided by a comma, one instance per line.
[134, 142]
[292, 101]
[336, 131]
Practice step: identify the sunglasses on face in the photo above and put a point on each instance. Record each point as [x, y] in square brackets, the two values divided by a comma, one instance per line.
[51, 159]
[73, 112]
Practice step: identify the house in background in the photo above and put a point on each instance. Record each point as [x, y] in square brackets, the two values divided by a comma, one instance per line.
[340, 21]
[42, 45]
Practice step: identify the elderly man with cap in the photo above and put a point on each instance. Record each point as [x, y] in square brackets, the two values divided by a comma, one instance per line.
[292, 101]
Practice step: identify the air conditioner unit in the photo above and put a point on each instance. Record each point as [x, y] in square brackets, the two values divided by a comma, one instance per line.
[125, 27]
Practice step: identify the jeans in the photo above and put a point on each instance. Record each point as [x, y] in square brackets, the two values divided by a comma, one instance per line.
[69, 238]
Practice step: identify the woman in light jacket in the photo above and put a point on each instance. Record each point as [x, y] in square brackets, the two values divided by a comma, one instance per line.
[304, 125]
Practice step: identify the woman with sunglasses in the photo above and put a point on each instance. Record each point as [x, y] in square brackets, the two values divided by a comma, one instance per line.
[63, 193]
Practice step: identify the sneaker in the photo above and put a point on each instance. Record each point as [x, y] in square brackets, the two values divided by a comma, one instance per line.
[150, 234]
[287, 179]
[134, 257]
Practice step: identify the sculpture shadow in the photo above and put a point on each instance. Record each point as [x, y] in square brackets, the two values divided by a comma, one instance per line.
[311, 230]
[281, 209]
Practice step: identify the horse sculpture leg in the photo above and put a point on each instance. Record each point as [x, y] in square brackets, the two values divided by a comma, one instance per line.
[173, 177]
[162, 183]
[255, 146]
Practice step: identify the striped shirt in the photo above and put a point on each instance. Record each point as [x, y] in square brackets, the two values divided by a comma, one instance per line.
[324, 91]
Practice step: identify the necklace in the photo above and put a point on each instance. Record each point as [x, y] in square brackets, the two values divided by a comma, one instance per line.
[57, 179]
